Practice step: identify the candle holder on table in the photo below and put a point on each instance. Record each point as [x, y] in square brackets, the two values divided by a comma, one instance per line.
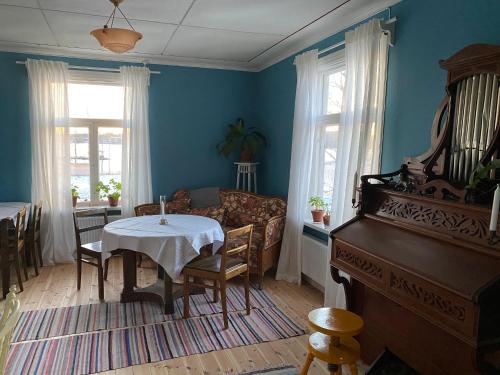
[163, 202]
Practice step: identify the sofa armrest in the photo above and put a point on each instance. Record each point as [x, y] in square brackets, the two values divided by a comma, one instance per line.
[273, 230]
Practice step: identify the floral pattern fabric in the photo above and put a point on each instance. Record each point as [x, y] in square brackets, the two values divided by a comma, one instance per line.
[216, 213]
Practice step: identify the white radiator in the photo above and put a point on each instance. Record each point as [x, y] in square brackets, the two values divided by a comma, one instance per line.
[314, 258]
[93, 235]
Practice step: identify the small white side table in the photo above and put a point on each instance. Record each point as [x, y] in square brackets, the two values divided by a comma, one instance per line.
[247, 173]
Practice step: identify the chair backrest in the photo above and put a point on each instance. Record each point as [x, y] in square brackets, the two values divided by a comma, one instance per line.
[237, 242]
[20, 225]
[147, 209]
[10, 317]
[96, 214]
[34, 222]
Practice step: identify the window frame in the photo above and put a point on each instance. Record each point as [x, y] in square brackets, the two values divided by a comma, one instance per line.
[102, 79]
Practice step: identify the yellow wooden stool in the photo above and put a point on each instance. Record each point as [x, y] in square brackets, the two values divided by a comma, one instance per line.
[333, 342]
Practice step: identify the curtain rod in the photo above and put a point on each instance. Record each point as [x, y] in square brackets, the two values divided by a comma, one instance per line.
[92, 68]
[387, 27]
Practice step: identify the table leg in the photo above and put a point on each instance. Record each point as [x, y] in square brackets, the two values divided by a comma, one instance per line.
[129, 273]
[4, 257]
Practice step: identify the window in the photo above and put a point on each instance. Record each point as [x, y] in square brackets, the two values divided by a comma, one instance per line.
[96, 112]
[331, 88]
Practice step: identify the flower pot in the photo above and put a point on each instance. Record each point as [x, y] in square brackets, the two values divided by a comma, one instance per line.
[245, 156]
[75, 200]
[326, 220]
[317, 215]
[113, 202]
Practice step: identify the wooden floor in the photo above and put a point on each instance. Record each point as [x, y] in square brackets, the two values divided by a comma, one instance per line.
[56, 287]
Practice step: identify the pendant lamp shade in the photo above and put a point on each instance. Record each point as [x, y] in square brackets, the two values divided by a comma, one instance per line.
[116, 39]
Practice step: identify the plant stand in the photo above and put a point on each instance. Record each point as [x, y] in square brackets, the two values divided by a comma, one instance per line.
[247, 174]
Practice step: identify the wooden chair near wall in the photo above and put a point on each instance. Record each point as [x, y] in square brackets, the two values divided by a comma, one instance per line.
[16, 247]
[33, 237]
[91, 250]
[142, 210]
[232, 260]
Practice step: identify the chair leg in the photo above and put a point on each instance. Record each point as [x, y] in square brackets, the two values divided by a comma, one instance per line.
[247, 290]
[106, 266]
[223, 301]
[18, 271]
[186, 295]
[261, 280]
[34, 256]
[39, 248]
[139, 260]
[23, 260]
[100, 278]
[78, 269]
[307, 364]
[216, 292]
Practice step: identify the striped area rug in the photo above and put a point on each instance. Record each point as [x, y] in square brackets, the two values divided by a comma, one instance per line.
[41, 324]
[111, 349]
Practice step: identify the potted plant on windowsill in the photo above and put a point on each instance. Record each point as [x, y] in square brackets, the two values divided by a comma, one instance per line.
[75, 194]
[246, 141]
[317, 211]
[111, 191]
[326, 216]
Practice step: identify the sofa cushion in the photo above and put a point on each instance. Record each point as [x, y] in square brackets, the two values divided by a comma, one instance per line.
[180, 194]
[216, 213]
[244, 208]
[204, 197]
[179, 206]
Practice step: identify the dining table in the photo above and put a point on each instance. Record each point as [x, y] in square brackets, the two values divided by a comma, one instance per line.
[8, 218]
[171, 246]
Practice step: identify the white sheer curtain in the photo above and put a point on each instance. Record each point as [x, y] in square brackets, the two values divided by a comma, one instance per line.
[362, 117]
[136, 164]
[48, 88]
[306, 110]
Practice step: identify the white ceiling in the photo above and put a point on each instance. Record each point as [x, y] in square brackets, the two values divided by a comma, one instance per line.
[231, 34]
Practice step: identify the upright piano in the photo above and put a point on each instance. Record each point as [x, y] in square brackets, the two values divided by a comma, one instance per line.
[424, 267]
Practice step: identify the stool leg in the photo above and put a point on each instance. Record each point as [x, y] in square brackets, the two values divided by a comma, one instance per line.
[307, 364]
[354, 368]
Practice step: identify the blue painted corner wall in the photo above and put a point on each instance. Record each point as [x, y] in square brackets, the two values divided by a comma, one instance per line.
[426, 31]
[190, 107]
[189, 111]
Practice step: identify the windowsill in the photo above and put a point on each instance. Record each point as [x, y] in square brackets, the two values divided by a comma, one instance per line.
[117, 210]
[320, 227]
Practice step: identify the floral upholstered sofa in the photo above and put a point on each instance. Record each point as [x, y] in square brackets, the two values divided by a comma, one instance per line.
[237, 208]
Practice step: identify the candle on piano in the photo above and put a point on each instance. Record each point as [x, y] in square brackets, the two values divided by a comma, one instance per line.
[355, 185]
[494, 210]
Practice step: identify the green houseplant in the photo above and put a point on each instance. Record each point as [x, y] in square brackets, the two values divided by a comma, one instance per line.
[317, 208]
[245, 140]
[481, 187]
[75, 194]
[112, 191]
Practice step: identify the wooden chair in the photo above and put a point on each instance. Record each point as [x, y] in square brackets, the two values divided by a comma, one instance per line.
[16, 247]
[231, 261]
[10, 317]
[92, 250]
[33, 237]
[143, 210]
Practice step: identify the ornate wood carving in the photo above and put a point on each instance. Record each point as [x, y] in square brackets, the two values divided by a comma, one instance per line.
[435, 301]
[461, 223]
[364, 265]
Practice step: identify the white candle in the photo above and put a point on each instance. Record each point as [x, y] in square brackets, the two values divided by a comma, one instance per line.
[162, 208]
[494, 210]
[355, 185]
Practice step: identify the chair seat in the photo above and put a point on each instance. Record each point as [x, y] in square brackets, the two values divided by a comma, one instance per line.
[95, 247]
[213, 263]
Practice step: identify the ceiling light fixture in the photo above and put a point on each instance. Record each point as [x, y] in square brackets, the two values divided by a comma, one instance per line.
[116, 39]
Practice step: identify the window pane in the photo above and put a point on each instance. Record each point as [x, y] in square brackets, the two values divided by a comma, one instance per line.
[336, 83]
[331, 143]
[95, 101]
[110, 154]
[79, 160]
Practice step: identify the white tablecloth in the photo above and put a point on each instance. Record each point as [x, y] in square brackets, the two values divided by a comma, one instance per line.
[9, 210]
[172, 246]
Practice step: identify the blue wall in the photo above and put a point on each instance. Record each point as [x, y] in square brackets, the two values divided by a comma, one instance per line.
[427, 31]
[189, 111]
